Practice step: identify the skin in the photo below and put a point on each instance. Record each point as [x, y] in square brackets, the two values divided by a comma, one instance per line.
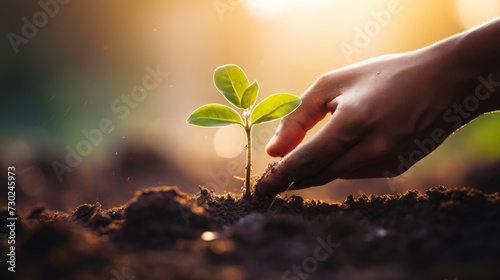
[379, 109]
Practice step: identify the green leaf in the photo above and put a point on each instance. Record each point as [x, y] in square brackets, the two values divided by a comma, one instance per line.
[250, 95]
[214, 115]
[274, 107]
[231, 81]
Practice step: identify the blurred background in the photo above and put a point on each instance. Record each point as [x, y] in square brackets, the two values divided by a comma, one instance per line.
[79, 124]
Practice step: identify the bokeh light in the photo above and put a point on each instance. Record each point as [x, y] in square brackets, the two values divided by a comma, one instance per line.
[271, 7]
[229, 141]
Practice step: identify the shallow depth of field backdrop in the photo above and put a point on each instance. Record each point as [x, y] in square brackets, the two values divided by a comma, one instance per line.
[75, 71]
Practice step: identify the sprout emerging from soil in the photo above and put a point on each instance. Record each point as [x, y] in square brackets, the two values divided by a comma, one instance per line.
[233, 83]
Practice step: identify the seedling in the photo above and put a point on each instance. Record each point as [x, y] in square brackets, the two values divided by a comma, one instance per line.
[232, 82]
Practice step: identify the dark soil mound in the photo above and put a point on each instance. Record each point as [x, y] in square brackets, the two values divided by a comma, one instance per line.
[162, 233]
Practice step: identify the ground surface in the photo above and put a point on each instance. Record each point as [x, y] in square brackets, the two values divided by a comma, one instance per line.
[162, 233]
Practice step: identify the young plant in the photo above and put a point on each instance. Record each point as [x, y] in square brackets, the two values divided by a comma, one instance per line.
[232, 82]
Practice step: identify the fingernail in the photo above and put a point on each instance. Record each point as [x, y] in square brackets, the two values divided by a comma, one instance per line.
[279, 128]
[273, 139]
[271, 142]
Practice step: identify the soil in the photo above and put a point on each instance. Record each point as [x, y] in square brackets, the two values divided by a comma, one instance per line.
[162, 233]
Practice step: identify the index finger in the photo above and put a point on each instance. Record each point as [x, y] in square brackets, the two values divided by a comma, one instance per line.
[317, 101]
[331, 141]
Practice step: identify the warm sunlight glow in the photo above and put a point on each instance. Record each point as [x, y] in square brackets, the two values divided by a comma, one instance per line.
[473, 13]
[229, 141]
[280, 6]
[209, 235]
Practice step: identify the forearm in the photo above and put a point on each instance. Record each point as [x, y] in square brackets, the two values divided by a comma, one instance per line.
[471, 61]
[479, 48]
[480, 52]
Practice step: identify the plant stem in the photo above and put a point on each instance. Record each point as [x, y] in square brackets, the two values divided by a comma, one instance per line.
[248, 169]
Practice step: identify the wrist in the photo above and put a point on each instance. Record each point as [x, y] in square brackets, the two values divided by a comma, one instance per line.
[478, 49]
[469, 64]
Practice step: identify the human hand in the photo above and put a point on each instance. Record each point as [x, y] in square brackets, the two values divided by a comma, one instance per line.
[382, 110]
